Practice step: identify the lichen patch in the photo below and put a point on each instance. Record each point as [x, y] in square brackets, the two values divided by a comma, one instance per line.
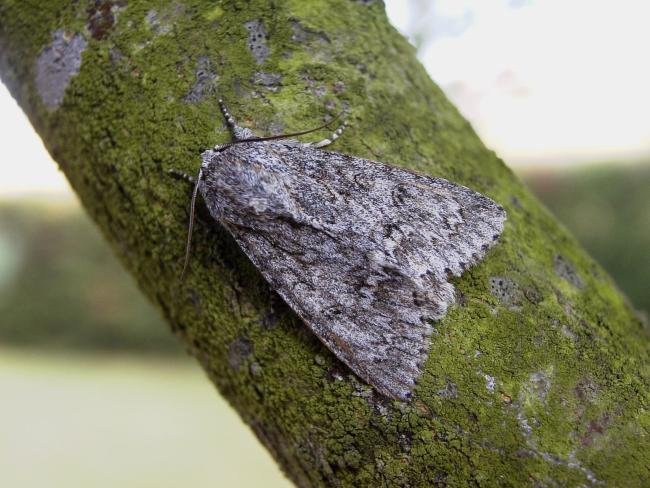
[303, 34]
[161, 23]
[506, 291]
[204, 83]
[238, 352]
[257, 40]
[450, 391]
[56, 65]
[270, 81]
[565, 270]
[490, 382]
[538, 385]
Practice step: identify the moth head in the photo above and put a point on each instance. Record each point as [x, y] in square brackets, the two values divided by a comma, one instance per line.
[259, 192]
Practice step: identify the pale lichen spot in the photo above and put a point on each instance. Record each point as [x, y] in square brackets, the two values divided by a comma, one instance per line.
[238, 352]
[506, 291]
[255, 369]
[567, 332]
[304, 34]
[56, 65]
[162, 22]
[204, 84]
[538, 385]
[271, 81]
[450, 391]
[257, 40]
[490, 382]
[526, 429]
[565, 270]
[153, 21]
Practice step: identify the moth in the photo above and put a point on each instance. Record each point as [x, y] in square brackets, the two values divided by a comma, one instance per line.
[361, 250]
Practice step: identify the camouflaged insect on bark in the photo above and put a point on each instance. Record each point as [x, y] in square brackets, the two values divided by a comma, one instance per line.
[360, 250]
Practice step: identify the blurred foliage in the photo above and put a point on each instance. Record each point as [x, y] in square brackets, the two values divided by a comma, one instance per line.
[61, 286]
[608, 209]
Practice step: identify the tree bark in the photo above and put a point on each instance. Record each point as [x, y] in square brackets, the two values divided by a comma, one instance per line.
[538, 376]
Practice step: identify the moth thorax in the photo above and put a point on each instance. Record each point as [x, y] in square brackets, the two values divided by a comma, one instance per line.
[244, 191]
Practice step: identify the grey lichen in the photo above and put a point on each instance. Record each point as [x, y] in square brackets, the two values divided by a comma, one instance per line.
[450, 391]
[204, 83]
[567, 332]
[538, 385]
[270, 81]
[238, 352]
[255, 369]
[159, 24]
[490, 382]
[303, 34]
[570, 462]
[257, 40]
[506, 291]
[314, 87]
[537, 389]
[56, 65]
[565, 270]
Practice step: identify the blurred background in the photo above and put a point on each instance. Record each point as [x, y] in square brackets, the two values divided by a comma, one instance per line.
[97, 392]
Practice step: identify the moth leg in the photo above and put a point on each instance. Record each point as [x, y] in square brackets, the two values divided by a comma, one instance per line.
[335, 135]
[183, 176]
[237, 131]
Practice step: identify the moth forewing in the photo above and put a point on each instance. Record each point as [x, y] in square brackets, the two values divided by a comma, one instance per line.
[360, 250]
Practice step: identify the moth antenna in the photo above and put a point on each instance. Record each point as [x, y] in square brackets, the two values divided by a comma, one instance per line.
[281, 136]
[190, 227]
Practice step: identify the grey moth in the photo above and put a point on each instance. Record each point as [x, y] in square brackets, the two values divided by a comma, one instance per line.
[361, 250]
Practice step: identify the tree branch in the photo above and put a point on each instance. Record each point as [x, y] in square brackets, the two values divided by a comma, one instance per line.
[539, 375]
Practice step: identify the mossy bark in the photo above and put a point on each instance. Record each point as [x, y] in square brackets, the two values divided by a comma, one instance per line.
[538, 376]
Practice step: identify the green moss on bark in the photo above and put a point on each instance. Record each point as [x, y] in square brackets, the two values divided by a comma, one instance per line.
[539, 375]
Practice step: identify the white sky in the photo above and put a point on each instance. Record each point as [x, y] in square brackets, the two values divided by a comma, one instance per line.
[544, 82]
[25, 165]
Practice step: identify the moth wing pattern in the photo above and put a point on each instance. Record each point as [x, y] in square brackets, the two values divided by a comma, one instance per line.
[364, 253]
